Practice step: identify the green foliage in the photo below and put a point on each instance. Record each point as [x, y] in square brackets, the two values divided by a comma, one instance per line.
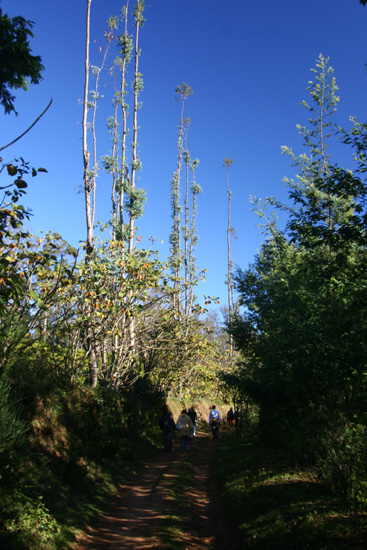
[16, 60]
[79, 446]
[304, 328]
[138, 12]
[31, 524]
[135, 200]
[184, 91]
[12, 434]
[342, 463]
[276, 506]
[12, 214]
[58, 316]
[125, 44]
[39, 275]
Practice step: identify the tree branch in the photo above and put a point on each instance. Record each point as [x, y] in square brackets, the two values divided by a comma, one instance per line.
[31, 126]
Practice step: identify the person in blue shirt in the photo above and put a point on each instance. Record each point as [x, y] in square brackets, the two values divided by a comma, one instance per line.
[214, 421]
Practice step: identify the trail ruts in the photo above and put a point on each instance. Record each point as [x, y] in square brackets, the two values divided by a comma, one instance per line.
[155, 511]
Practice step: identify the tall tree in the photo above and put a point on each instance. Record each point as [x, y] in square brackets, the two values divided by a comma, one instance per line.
[136, 198]
[184, 92]
[185, 228]
[127, 199]
[228, 162]
[117, 163]
[304, 325]
[193, 239]
[89, 181]
[314, 168]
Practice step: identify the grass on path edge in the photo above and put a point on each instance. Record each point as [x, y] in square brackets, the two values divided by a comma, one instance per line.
[276, 507]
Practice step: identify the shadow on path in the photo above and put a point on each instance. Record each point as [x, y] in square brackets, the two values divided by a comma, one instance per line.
[136, 516]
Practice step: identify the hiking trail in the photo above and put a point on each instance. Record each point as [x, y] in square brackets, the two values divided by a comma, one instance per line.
[171, 502]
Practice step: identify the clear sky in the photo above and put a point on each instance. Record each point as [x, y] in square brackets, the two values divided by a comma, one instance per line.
[248, 64]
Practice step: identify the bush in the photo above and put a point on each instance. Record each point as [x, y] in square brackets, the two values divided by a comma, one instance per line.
[31, 524]
[342, 463]
[12, 434]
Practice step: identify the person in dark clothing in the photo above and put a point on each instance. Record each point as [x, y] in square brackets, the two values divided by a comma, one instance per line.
[167, 425]
[230, 417]
[193, 415]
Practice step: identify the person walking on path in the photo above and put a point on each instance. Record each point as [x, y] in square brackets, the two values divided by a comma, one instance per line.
[214, 421]
[186, 429]
[193, 415]
[230, 417]
[167, 425]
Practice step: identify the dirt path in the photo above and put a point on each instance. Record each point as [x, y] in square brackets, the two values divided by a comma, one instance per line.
[173, 502]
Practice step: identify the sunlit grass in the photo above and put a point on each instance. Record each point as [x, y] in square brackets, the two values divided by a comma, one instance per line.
[172, 530]
[276, 506]
[171, 533]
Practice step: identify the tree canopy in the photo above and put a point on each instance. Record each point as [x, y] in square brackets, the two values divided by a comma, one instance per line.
[17, 64]
[303, 330]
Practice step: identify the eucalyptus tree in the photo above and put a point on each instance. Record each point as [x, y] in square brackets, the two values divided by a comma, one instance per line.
[116, 163]
[186, 208]
[228, 162]
[136, 196]
[189, 230]
[89, 182]
[184, 92]
[126, 197]
[190, 259]
[183, 237]
[90, 172]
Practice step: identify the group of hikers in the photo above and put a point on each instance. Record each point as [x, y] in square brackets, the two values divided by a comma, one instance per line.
[186, 426]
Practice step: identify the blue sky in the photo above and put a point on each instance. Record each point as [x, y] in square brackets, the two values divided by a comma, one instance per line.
[248, 64]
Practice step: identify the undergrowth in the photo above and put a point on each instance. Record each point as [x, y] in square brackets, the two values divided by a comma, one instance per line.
[77, 447]
[276, 506]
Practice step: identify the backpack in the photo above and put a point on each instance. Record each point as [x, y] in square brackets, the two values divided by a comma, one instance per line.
[214, 421]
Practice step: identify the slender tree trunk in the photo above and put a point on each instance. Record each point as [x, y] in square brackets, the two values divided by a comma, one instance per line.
[89, 194]
[135, 161]
[186, 229]
[124, 167]
[230, 304]
[86, 155]
[139, 9]
[196, 189]
[184, 92]
[227, 163]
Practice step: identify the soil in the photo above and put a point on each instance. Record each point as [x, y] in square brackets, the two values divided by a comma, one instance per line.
[149, 514]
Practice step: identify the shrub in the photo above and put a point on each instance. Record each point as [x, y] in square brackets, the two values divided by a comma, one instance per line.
[12, 434]
[31, 524]
[342, 463]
